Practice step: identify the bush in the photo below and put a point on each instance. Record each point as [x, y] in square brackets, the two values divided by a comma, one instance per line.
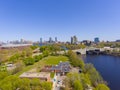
[77, 85]
[74, 60]
[29, 61]
[102, 87]
[93, 74]
[45, 53]
[18, 68]
[3, 75]
[37, 58]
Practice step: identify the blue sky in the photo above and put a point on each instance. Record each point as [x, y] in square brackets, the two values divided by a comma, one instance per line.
[32, 19]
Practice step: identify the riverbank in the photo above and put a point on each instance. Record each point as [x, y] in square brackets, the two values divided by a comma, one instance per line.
[103, 53]
[113, 54]
[108, 66]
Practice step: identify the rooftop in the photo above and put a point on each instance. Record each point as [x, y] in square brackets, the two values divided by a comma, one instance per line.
[35, 75]
[61, 67]
[14, 45]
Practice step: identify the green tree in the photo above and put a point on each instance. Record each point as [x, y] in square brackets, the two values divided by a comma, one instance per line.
[35, 84]
[27, 52]
[14, 83]
[43, 48]
[85, 80]
[38, 57]
[19, 67]
[34, 47]
[77, 85]
[56, 48]
[102, 87]
[14, 58]
[24, 84]
[23, 54]
[3, 75]
[74, 60]
[46, 85]
[29, 61]
[94, 76]
[45, 53]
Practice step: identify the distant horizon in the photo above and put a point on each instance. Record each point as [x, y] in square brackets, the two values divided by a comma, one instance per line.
[54, 40]
[35, 19]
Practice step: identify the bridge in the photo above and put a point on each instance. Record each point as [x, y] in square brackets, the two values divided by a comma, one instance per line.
[85, 50]
[82, 51]
[90, 49]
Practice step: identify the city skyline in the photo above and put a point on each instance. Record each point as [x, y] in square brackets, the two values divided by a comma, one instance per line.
[32, 20]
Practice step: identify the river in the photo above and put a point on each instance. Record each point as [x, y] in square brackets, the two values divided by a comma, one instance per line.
[109, 68]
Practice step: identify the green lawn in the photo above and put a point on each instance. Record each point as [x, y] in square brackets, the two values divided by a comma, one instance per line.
[52, 74]
[54, 60]
[50, 60]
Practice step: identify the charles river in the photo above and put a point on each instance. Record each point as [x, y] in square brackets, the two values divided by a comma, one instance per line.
[108, 67]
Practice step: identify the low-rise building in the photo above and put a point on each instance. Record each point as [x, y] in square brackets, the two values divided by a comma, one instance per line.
[9, 46]
[45, 76]
[62, 68]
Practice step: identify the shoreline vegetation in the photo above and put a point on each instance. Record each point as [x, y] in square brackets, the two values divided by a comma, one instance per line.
[113, 54]
[87, 79]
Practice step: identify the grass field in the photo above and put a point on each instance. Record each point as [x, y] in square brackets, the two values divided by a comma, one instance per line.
[50, 60]
[53, 60]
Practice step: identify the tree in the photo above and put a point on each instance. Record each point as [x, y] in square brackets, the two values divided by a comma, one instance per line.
[35, 84]
[3, 58]
[102, 87]
[3, 68]
[23, 54]
[45, 53]
[14, 58]
[3, 75]
[56, 48]
[46, 85]
[21, 84]
[73, 82]
[94, 76]
[43, 48]
[67, 84]
[34, 47]
[37, 57]
[77, 85]
[19, 67]
[14, 83]
[74, 60]
[29, 61]
[27, 52]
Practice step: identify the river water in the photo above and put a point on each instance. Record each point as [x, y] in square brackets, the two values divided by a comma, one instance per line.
[108, 67]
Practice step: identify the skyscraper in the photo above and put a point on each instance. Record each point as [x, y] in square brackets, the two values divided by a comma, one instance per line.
[55, 39]
[71, 40]
[22, 41]
[74, 40]
[50, 40]
[40, 40]
[96, 40]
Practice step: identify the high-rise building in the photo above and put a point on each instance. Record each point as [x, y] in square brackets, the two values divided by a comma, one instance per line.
[71, 40]
[74, 40]
[50, 40]
[96, 40]
[22, 41]
[40, 40]
[118, 40]
[55, 39]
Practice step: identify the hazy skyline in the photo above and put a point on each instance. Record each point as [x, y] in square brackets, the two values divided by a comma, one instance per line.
[33, 19]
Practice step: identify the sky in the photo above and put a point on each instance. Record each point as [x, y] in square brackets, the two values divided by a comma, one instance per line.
[35, 19]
